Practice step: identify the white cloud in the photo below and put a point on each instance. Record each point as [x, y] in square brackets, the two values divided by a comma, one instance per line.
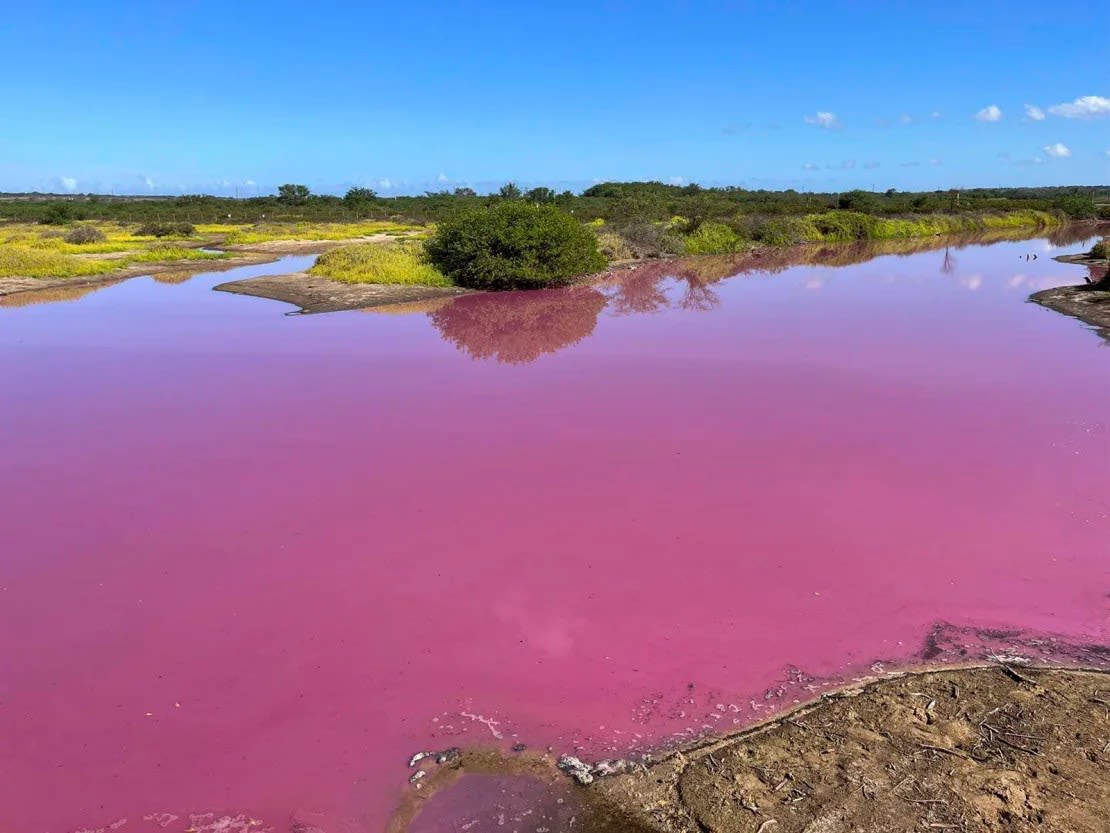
[989, 113]
[69, 183]
[250, 182]
[1034, 113]
[812, 166]
[905, 118]
[385, 183]
[442, 178]
[148, 182]
[848, 164]
[935, 114]
[1108, 153]
[821, 118]
[1085, 107]
[871, 164]
[1058, 150]
[935, 162]
[677, 180]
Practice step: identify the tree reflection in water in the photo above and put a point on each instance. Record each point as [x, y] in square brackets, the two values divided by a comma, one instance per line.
[518, 327]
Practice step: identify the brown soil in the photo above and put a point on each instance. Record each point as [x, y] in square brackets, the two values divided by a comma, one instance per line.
[315, 294]
[967, 750]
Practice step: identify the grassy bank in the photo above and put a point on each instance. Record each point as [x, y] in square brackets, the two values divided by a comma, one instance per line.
[401, 264]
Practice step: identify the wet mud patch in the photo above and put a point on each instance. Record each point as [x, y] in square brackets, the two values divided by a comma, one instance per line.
[314, 294]
[992, 748]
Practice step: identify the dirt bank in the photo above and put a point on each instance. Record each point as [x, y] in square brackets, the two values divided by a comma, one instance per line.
[999, 748]
[315, 294]
[1089, 302]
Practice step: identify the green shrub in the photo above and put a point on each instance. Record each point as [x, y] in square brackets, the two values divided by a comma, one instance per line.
[513, 245]
[785, 231]
[166, 230]
[712, 239]
[57, 214]
[1101, 249]
[385, 263]
[844, 226]
[82, 235]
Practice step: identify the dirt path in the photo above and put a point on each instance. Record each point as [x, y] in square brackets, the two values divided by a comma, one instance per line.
[970, 750]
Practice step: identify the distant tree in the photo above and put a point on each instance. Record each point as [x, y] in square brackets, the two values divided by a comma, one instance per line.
[293, 194]
[354, 196]
[57, 214]
[540, 195]
[858, 201]
[510, 191]
[465, 192]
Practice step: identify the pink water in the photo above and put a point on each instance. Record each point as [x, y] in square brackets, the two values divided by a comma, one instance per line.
[249, 562]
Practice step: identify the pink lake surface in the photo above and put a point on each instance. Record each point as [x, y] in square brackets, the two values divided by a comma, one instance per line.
[250, 562]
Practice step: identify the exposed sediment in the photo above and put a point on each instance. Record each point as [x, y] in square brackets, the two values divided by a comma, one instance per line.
[1002, 747]
[315, 294]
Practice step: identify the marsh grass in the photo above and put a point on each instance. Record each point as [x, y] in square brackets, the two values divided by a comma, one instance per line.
[381, 263]
[28, 251]
[270, 232]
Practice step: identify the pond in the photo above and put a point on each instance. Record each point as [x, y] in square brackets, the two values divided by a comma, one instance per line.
[252, 562]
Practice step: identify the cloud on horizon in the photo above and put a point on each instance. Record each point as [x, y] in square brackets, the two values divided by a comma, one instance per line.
[1058, 150]
[825, 119]
[1084, 107]
[990, 113]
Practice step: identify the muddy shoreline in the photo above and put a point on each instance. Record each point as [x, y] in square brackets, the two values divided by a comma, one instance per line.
[313, 294]
[1088, 302]
[966, 748]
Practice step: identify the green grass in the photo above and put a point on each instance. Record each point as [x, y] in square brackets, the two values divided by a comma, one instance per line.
[159, 254]
[383, 263]
[268, 232]
[26, 262]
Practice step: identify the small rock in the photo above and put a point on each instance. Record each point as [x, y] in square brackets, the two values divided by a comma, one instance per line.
[576, 768]
[448, 755]
[519, 747]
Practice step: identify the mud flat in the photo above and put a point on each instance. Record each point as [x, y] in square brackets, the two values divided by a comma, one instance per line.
[1089, 302]
[993, 748]
[315, 294]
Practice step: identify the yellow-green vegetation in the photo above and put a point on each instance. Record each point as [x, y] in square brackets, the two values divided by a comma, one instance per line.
[712, 239]
[240, 235]
[32, 251]
[1101, 249]
[386, 263]
[845, 226]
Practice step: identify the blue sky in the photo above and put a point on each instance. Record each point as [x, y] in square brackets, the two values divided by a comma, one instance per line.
[239, 97]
